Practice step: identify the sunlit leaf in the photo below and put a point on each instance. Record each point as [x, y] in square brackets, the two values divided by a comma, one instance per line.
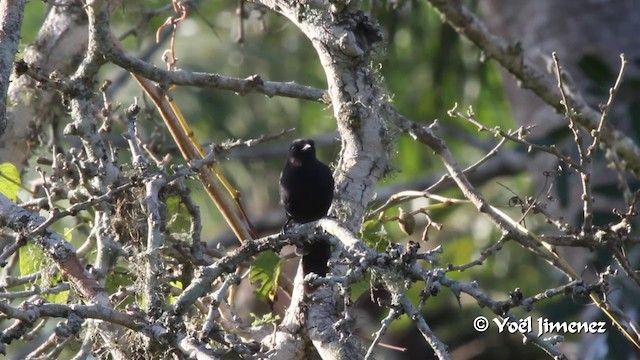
[179, 216]
[30, 259]
[59, 298]
[171, 299]
[9, 181]
[68, 234]
[265, 270]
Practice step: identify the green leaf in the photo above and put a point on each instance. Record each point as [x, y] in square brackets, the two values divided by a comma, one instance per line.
[117, 277]
[31, 258]
[59, 298]
[269, 318]
[360, 287]
[375, 235]
[265, 269]
[179, 215]
[171, 298]
[9, 181]
[68, 234]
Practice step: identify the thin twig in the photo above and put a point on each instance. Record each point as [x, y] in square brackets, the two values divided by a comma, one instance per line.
[585, 161]
[394, 313]
[597, 133]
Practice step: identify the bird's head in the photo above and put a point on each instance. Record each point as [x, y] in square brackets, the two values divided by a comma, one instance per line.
[302, 149]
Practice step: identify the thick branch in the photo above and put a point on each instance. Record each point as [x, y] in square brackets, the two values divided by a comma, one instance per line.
[63, 253]
[11, 14]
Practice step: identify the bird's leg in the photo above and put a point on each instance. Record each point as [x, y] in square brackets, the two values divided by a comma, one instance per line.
[286, 225]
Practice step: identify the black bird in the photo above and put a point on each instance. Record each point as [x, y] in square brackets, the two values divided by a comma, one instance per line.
[306, 190]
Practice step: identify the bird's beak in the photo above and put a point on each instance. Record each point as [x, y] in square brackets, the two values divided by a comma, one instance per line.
[306, 147]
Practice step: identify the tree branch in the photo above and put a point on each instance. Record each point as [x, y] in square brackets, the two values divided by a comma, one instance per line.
[11, 14]
[511, 57]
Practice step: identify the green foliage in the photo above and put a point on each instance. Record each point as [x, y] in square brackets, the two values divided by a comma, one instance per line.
[33, 260]
[178, 284]
[360, 287]
[266, 319]
[119, 276]
[265, 269]
[33, 15]
[179, 216]
[59, 298]
[9, 181]
[68, 234]
[375, 235]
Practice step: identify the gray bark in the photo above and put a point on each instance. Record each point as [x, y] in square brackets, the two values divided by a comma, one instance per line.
[58, 48]
[11, 14]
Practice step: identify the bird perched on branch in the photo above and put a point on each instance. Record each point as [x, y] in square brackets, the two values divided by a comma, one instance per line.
[306, 190]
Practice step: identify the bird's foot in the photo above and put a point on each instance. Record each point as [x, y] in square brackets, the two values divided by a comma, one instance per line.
[286, 226]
